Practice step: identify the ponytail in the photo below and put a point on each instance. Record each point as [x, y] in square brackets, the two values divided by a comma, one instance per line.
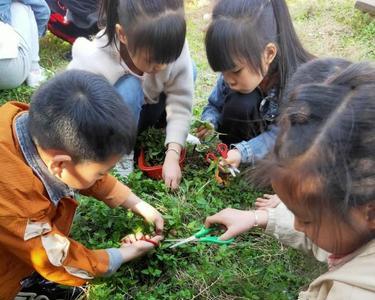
[291, 52]
[241, 29]
[108, 17]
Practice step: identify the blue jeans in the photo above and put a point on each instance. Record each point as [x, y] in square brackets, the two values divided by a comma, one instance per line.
[130, 89]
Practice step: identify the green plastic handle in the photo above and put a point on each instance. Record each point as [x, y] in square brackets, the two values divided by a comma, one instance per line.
[215, 240]
[202, 236]
[203, 232]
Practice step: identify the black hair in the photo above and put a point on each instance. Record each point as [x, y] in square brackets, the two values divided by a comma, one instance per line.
[82, 114]
[157, 26]
[324, 154]
[241, 29]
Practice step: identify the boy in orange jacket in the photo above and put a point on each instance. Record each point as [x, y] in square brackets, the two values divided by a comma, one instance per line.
[67, 141]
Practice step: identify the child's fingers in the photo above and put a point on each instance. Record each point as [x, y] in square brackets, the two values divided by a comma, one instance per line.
[224, 166]
[228, 235]
[261, 201]
[153, 242]
[131, 238]
[212, 220]
[201, 132]
[158, 238]
[174, 184]
[270, 202]
[260, 206]
[125, 240]
[168, 182]
[159, 225]
[139, 235]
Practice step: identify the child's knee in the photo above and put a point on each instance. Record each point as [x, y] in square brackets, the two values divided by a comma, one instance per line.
[130, 89]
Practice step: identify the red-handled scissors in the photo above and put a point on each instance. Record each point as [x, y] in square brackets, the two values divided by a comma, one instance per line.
[156, 244]
[222, 149]
[145, 239]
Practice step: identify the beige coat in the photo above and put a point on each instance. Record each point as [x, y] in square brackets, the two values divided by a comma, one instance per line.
[351, 280]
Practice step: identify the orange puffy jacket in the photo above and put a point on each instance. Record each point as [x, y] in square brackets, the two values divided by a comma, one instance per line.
[30, 223]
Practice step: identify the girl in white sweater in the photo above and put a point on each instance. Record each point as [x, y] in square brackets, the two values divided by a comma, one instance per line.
[143, 52]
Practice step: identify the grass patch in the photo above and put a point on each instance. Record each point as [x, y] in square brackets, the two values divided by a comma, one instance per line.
[334, 28]
[257, 267]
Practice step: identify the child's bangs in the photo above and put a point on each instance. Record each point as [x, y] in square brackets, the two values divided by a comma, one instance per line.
[163, 39]
[228, 44]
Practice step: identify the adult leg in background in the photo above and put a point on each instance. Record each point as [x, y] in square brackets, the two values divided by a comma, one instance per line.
[18, 69]
[24, 23]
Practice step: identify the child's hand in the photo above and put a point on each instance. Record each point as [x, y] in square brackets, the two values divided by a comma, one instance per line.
[147, 211]
[203, 128]
[268, 201]
[133, 246]
[151, 215]
[203, 131]
[237, 221]
[233, 158]
[171, 170]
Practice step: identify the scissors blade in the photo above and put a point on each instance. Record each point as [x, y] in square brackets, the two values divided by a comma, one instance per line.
[188, 240]
[231, 171]
[174, 240]
[236, 170]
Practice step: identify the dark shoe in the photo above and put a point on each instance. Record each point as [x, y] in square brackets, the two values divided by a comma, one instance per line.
[68, 31]
[36, 287]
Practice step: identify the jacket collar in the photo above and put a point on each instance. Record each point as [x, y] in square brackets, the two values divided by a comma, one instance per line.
[54, 187]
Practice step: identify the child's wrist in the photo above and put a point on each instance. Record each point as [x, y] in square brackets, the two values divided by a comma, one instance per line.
[173, 151]
[127, 253]
[260, 218]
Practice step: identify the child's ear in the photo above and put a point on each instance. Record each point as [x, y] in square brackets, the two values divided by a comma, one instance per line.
[59, 162]
[121, 34]
[269, 53]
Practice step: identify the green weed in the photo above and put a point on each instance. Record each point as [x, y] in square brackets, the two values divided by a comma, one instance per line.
[256, 267]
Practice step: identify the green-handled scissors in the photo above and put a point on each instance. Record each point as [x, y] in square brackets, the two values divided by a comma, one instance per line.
[201, 236]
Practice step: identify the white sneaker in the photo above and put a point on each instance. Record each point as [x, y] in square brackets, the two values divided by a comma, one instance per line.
[36, 77]
[126, 165]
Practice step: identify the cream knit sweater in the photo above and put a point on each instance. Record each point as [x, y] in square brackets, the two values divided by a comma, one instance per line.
[176, 81]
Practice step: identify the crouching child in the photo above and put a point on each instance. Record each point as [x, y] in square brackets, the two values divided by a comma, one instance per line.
[69, 138]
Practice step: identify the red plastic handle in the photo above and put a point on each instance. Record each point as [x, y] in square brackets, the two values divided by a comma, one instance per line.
[211, 157]
[223, 150]
[156, 244]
